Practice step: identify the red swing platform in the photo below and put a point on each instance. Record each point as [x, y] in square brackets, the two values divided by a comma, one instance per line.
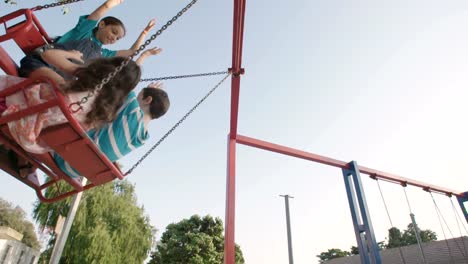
[68, 140]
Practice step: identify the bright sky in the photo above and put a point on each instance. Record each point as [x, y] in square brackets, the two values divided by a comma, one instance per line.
[379, 82]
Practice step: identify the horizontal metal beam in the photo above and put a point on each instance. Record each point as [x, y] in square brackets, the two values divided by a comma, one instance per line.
[375, 174]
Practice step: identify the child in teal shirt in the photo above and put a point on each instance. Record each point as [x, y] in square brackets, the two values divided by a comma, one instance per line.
[87, 37]
[128, 131]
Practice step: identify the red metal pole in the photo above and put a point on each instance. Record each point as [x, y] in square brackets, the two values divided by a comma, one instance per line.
[237, 43]
[229, 241]
[235, 83]
[238, 34]
[236, 69]
[340, 164]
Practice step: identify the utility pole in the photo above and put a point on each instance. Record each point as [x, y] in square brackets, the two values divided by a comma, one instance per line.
[288, 226]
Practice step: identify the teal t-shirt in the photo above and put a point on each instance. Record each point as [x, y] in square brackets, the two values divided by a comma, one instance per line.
[84, 30]
[126, 133]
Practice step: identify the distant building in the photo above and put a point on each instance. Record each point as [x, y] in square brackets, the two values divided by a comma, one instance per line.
[12, 251]
[451, 251]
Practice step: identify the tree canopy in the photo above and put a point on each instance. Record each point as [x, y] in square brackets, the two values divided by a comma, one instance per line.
[195, 240]
[109, 226]
[332, 254]
[15, 218]
[395, 239]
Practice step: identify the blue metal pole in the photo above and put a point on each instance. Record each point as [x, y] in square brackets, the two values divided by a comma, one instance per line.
[356, 216]
[368, 249]
[461, 201]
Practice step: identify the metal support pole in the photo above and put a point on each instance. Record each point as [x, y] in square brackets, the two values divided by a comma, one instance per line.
[368, 249]
[60, 244]
[288, 227]
[229, 242]
[417, 233]
[461, 201]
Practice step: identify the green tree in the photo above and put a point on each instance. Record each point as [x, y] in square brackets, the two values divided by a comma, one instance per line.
[195, 240]
[332, 254]
[394, 238]
[15, 218]
[65, 9]
[409, 236]
[109, 226]
[397, 239]
[11, 2]
[354, 251]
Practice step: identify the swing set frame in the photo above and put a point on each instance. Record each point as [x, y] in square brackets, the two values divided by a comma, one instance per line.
[351, 171]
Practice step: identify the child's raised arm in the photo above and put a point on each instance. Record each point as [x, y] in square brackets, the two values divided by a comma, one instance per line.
[103, 9]
[139, 41]
[146, 54]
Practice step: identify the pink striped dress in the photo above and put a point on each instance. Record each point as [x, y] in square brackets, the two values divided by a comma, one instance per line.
[26, 130]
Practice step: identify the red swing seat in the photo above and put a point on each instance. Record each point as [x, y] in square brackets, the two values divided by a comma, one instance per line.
[68, 140]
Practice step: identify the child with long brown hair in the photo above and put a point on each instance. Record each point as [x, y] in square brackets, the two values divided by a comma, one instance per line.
[129, 130]
[97, 110]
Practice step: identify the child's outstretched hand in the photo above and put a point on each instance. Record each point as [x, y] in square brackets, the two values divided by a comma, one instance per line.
[113, 3]
[158, 85]
[150, 26]
[103, 9]
[152, 51]
[146, 54]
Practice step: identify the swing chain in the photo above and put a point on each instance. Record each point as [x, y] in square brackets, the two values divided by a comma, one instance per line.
[176, 125]
[111, 75]
[183, 76]
[168, 23]
[60, 3]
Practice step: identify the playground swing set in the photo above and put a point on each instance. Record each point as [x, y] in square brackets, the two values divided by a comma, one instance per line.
[71, 142]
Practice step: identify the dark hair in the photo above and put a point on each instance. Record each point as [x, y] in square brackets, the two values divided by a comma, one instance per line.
[160, 101]
[110, 20]
[113, 94]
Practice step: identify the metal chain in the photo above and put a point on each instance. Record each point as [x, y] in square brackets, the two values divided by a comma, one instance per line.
[402, 257]
[176, 125]
[440, 215]
[183, 76]
[442, 227]
[37, 8]
[457, 217]
[407, 200]
[98, 87]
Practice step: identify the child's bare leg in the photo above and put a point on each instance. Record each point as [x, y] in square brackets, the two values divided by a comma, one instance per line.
[24, 167]
[49, 73]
